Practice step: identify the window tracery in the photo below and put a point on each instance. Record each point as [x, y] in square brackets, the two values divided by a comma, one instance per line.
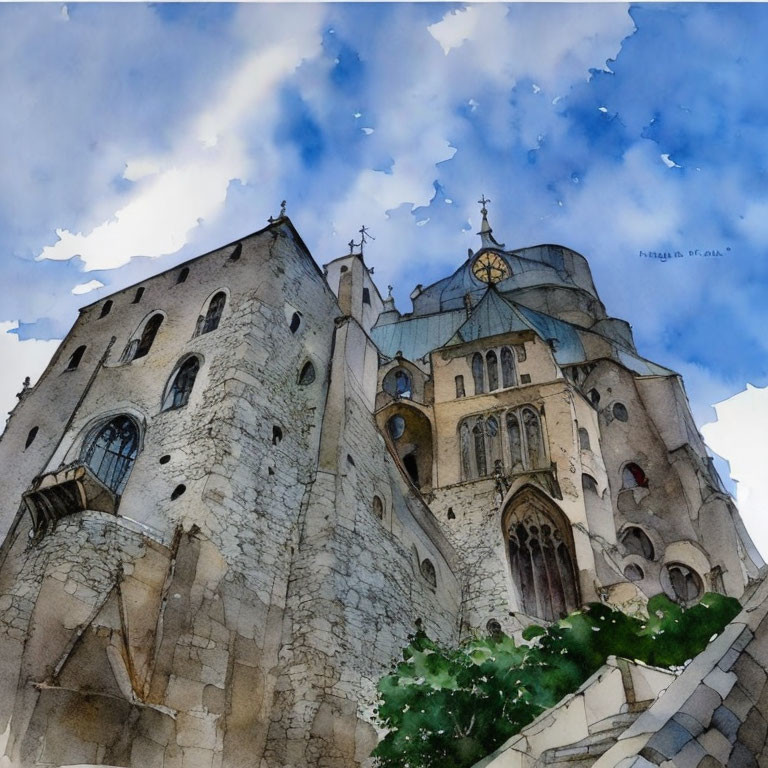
[181, 387]
[111, 451]
[210, 322]
[512, 439]
[496, 369]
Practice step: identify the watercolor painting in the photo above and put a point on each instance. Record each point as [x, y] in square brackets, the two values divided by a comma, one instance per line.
[386, 385]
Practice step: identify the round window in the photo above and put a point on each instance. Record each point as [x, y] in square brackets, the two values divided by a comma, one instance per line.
[396, 427]
[634, 572]
[620, 412]
[681, 582]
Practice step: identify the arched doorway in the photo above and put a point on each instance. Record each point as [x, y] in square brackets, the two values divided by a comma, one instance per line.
[540, 546]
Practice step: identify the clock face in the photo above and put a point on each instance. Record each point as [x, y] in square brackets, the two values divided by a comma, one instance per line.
[489, 267]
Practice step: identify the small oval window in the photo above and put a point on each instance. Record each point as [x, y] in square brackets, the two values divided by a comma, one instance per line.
[295, 322]
[106, 308]
[620, 412]
[396, 427]
[31, 437]
[178, 491]
[307, 375]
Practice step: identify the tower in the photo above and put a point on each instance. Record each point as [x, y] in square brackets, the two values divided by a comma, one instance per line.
[239, 483]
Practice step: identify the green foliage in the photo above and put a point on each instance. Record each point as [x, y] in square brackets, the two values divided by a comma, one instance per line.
[448, 708]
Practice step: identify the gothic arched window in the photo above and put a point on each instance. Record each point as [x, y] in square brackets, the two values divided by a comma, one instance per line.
[402, 384]
[148, 336]
[507, 368]
[633, 477]
[180, 389]
[515, 442]
[77, 356]
[540, 557]
[494, 441]
[681, 582]
[428, 572]
[106, 308]
[111, 450]
[584, 440]
[636, 542]
[466, 451]
[478, 373]
[213, 315]
[493, 370]
[533, 438]
[307, 374]
[478, 434]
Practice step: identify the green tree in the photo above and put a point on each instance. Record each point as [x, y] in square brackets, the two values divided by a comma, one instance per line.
[449, 707]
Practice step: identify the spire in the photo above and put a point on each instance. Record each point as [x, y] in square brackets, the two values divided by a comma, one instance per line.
[486, 233]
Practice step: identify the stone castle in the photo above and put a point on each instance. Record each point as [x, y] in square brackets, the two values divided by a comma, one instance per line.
[239, 483]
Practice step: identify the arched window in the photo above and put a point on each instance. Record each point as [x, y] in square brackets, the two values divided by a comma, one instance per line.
[181, 387]
[183, 275]
[634, 572]
[620, 412]
[507, 368]
[681, 582]
[594, 397]
[588, 483]
[307, 374]
[459, 380]
[515, 442]
[396, 427]
[494, 441]
[633, 477]
[412, 468]
[148, 336]
[236, 253]
[106, 308]
[402, 384]
[493, 370]
[584, 440]
[378, 507]
[111, 450]
[478, 373]
[533, 438]
[466, 451]
[540, 557]
[295, 322]
[75, 359]
[428, 572]
[31, 435]
[137, 297]
[478, 434]
[213, 315]
[636, 542]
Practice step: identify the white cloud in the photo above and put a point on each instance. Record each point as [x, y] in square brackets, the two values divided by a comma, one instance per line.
[738, 436]
[175, 191]
[91, 285]
[20, 359]
[669, 162]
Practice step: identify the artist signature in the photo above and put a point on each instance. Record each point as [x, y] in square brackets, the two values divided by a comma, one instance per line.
[714, 253]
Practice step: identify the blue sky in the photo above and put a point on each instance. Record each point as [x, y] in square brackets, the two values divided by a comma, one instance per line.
[136, 136]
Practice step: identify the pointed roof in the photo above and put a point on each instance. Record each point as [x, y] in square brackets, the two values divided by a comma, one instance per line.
[486, 233]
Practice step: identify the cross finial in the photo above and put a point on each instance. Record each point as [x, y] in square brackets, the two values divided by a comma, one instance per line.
[351, 246]
[364, 236]
[483, 201]
[389, 291]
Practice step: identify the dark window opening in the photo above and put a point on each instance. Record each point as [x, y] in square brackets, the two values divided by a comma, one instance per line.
[307, 375]
[277, 435]
[165, 459]
[213, 315]
[633, 477]
[525, 378]
[235, 255]
[428, 572]
[685, 583]
[378, 507]
[77, 356]
[584, 439]
[594, 397]
[137, 297]
[507, 368]
[493, 627]
[366, 296]
[451, 514]
[148, 336]
[110, 453]
[402, 384]
[493, 371]
[181, 389]
[31, 437]
[178, 491]
[295, 322]
[588, 483]
[343, 269]
[620, 412]
[106, 308]
[636, 542]
[412, 468]
[183, 275]
[350, 460]
[396, 427]
[478, 373]
[459, 386]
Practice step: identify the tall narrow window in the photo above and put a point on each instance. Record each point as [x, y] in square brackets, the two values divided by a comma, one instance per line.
[236, 253]
[402, 384]
[584, 439]
[533, 438]
[459, 386]
[507, 368]
[111, 451]
[137, 297]
[213, 315]
[540, 558]
[478, 372]
[366, 296]
[594, 397]
[181, 387]
[106, 308]
[428, 572]
[295, 322]
[494, 441]
[31, 437]
[378, 507]
[478, 435]
[493, 371]
[515, 442]
[75, 359]
[148, 336]
[412, 468]
[183, 275]
[466, 451]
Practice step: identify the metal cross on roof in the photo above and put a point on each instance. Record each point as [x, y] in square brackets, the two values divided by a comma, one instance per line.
[483, 201]
[272, 219]
[364, 236]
